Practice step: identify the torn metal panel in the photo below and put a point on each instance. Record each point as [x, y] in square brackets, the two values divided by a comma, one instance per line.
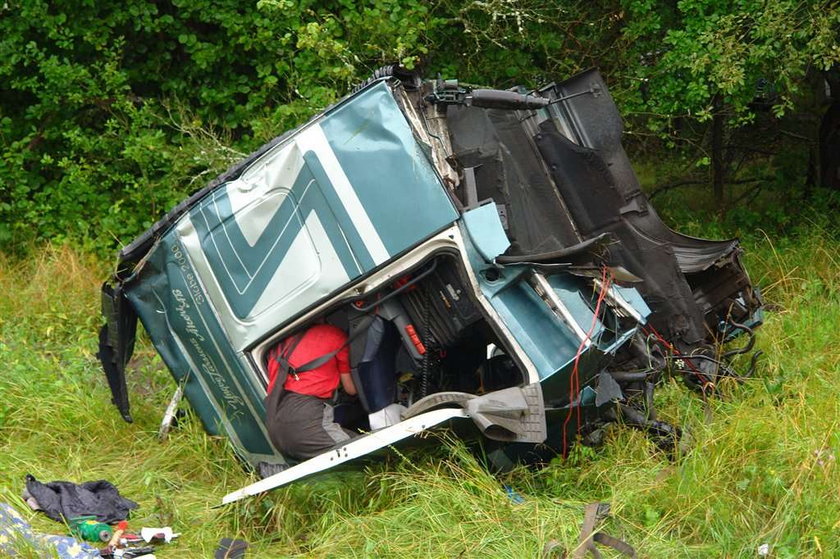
[571, 180]
[356, 448]
[116, 344]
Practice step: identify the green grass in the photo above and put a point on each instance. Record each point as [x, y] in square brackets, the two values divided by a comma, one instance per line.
[762, 466]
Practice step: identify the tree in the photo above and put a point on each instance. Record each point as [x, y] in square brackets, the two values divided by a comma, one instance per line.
[720, 61]
[111, 112]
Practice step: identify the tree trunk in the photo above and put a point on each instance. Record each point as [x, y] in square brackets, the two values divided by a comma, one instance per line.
[718, 159]
[829, 142]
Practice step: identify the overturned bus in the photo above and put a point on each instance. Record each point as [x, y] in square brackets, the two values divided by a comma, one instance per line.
[489, 252]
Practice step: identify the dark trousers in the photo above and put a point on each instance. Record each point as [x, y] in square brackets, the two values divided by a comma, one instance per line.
[302, 426]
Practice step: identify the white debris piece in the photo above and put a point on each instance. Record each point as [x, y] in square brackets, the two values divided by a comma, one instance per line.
[166, 534]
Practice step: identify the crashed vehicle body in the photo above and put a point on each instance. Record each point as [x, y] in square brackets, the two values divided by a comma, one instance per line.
[490, 254]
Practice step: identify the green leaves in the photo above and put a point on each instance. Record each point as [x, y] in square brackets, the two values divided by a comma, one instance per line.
[111, 112]
[114, 111]
[720, 47]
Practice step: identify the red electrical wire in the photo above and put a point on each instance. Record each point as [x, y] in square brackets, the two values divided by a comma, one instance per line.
[706, 382]
[574, 379]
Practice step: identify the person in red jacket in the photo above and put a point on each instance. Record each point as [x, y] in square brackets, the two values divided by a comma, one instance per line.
[299, 417]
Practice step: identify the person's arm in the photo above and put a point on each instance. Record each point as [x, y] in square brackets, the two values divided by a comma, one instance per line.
[347, 384]
[343, 358]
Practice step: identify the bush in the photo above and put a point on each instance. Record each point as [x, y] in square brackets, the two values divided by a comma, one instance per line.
[112, 111]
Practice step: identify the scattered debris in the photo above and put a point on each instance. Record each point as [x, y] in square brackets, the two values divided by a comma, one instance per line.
[90, 508]
[124, 545]
[230, 548]
[63, 500]
[129, 539]
[513, 495]
[16, 532]
[90, 529]
[115, 539]
[593, 514]
[128, 552]
[158, 534]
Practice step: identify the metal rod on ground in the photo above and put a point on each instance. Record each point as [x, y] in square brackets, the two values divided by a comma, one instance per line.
[169, 414]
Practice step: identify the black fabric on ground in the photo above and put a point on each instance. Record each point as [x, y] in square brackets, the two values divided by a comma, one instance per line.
[230, 548]
[63, 500]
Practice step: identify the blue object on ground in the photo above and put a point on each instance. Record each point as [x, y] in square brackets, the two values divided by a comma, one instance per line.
[16, 535]
[513, 495]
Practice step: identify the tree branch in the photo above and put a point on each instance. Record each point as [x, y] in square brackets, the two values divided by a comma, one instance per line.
[678, 184]
[672, 186]
[752, 191]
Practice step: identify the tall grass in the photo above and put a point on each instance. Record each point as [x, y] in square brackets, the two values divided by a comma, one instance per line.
[761, 468]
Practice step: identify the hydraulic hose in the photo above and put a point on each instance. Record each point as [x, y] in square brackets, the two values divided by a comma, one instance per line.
[409, 78]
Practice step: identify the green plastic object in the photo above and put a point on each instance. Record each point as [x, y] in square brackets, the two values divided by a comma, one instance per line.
[90, 529]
